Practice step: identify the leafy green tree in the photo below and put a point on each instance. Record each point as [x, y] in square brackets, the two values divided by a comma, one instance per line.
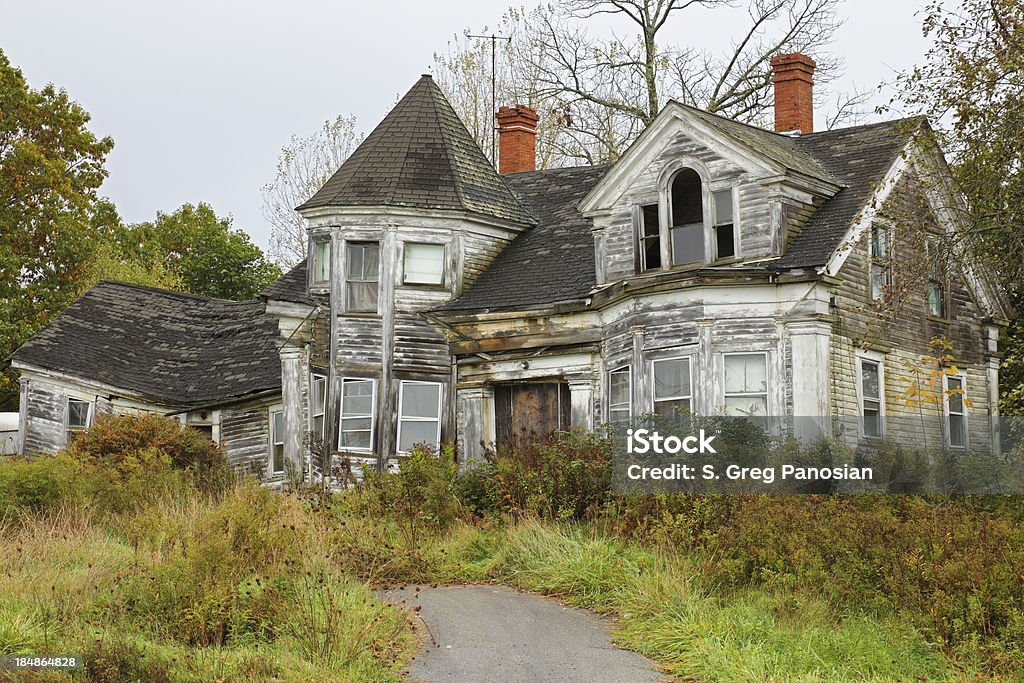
[971, 86]
[209, 256]
[50, 168]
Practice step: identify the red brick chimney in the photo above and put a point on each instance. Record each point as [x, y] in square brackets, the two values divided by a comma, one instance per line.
[517, 139]
[794, 92]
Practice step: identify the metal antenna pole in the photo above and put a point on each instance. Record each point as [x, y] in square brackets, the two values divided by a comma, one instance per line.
[494, 90]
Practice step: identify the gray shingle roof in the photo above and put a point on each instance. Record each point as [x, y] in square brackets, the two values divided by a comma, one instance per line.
[784, 149]
[421, 156]
[174, 348]
[554, 261]
[551, 262]
[858, 158]
[290, 287]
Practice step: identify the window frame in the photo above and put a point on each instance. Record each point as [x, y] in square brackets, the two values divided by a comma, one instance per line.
[883, 261]
[734, 201]
[878, 360]
[315, 259]
[349, 246]
[642, 238]
[357, 416]
[706, 204]
[405, 264]
[315, 380]
[767, 393]
[937, 277]
[401, 405]
[654, 385]
[90, 407]
[949, 414]
[273, 443]
[629, 393]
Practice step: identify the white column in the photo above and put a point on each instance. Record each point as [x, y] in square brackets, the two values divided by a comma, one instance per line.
[581, 396]
[812, 379]
[291, 397]
[475, 415]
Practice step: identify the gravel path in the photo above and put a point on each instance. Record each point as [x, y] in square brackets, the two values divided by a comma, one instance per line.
[488, 633]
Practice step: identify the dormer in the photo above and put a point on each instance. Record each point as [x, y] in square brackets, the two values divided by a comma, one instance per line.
[697, 190]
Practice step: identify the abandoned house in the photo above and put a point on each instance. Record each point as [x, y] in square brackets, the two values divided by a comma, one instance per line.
[715, 267]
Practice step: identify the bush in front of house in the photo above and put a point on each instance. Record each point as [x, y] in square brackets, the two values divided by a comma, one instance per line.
[112, 439]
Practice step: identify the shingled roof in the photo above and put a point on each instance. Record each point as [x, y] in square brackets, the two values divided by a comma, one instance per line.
[554, 262]
[173, 348]
[421, 156]
[858, 158]
[290, 287]
[551, 262]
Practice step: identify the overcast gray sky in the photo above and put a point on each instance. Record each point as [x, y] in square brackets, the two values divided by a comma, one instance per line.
[200, 95]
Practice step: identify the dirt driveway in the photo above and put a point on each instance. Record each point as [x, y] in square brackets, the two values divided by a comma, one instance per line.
[489, 633]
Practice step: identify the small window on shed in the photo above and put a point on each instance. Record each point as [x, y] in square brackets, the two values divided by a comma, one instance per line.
[687, 218]
[79, 416]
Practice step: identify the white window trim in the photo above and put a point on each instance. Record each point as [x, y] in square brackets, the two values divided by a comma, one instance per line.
[638, 231]
[767, 393]
[276, 410]
[444, 261]
[88, 417]
[318, 378]
[732, 189]
[608, 393]
[947, 414]
[871, 357]
[689, 366]
[372, 415]
[345, 247]
[402, 418]
[313, 282]
[890, 243]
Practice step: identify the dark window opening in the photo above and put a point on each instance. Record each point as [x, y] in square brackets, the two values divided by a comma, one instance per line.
[725, 244]
[650, 238]
[687, 218]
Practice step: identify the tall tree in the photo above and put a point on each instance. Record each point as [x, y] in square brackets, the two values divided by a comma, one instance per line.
[303, 166]
[971, 86]
[598, 93]
[200, 250]
[51, 166]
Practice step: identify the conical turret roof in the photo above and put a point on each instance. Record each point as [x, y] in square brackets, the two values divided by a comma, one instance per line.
[421, 156]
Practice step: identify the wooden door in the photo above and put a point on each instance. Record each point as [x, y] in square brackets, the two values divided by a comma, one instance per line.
[527, 412]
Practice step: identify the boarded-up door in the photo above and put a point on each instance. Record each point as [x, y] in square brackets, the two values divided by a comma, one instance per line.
[526, 412]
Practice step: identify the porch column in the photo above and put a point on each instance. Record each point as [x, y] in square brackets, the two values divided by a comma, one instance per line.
[581, 394]
[291, 398]
[475, 415]
[812, 380]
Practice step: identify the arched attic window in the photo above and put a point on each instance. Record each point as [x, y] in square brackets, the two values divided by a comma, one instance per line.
[687, 202]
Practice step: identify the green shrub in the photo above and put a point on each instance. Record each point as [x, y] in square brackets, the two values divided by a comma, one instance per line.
[39, 484]
[564, 476]
[112, 439]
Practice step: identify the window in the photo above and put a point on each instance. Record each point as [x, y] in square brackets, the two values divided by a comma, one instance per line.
[277, 442]
[687, 218]
[881, 271]
[318, 405]
[357, 411]
[650, 238]
[79, 416]
[619, 395]
[746, 384]
[419, 415]
[936, 279]
[955, 412]
[321, 262]
[424, 264]
[725, 242]
[871, 397]
[672, 392]
[361, 282]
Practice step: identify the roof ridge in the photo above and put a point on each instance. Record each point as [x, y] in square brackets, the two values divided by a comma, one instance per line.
[862, 126]
[170, 293]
